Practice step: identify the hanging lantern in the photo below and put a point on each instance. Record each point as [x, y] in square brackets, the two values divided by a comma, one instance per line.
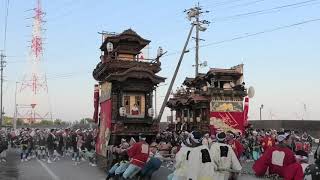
[109, 47]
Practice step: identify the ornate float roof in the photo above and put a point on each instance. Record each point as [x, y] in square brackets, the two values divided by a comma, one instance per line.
[135, 73]
[122, 63]
[187, 100]
[126, 37]
[202, 89]
[233, 71]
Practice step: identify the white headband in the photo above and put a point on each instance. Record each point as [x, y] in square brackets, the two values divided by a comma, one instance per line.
[301, 157]
[282, 137]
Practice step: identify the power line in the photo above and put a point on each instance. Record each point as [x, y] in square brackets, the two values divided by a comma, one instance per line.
[247, 35]
[244, 4]
[225, 3]
[261, 32]
[265, 11]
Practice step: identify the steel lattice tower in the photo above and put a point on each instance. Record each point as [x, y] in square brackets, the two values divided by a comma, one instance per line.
[34, 82]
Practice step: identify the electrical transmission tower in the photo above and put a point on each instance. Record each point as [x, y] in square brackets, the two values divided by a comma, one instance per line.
[34, 82]
[201, 25]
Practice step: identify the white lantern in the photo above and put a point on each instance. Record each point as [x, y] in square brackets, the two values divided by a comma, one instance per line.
[150, 112]
[122, 111]
[198, 119]
[109, 47]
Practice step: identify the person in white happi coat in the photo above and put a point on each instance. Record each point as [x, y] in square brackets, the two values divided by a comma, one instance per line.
[225, 159]
[194, 161]
[180, 165]
[207, 140]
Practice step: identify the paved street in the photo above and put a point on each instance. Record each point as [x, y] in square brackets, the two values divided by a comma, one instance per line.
[61, 170]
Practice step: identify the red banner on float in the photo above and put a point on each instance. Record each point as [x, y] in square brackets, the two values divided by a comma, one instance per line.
[96, 103]
[105, 127]
[246, 110]
[227, 121]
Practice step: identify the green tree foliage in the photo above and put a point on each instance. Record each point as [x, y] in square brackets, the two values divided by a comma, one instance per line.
[86, 120]
[7, 121]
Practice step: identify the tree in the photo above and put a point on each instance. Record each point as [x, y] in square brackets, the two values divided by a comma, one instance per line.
[20, 122]
[86, 120]
[7, 121]
[57, 122]
[45, 122]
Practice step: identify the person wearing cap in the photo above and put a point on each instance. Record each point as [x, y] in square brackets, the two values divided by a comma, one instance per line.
[225, 159]
[296, 170]
[313, 170]
[138, 153]
[277, 158]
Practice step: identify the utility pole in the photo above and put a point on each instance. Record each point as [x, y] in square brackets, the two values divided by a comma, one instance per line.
[2, 65]
[184, 50]
[197, 46]
[195, 13]
[261, 107]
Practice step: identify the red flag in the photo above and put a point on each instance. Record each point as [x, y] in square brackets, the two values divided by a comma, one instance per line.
[96, 103]
[246, 110]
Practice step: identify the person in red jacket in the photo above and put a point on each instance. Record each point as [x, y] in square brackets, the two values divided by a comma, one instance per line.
[235, 144]
[277, 158]
[296, 170]
[139, 154]
[267, 141]
[298, 145]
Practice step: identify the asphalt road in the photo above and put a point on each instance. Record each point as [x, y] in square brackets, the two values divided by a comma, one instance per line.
[65, 169]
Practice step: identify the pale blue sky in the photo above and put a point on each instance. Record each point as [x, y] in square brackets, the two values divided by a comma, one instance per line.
[282, 65]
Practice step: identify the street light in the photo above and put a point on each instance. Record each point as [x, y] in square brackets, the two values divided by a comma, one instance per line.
[261, 107]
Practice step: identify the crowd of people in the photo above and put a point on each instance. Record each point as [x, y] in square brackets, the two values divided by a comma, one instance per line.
[50, 144]
[193, 155]
[220, 156]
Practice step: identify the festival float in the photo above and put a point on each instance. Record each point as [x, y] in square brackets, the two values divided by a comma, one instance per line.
[123, 97]
[213, 101]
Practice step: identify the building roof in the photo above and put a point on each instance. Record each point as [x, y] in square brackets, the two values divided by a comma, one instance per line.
[224, 71]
